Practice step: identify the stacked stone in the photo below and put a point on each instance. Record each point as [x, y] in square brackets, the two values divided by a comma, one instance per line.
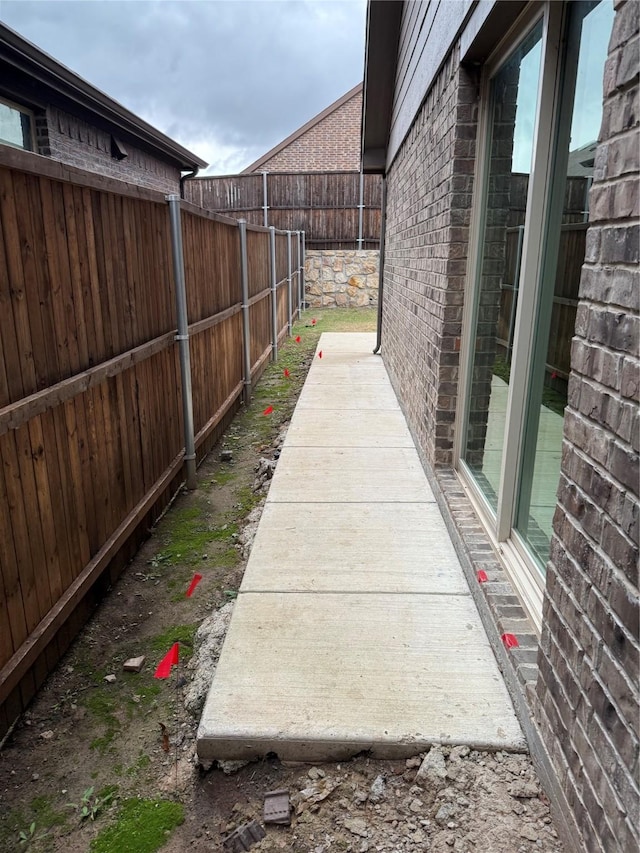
[342, 278]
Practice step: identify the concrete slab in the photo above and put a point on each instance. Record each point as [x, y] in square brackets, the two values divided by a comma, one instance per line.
[348, 397]
[353, 548]
[406, 672]
[360, 342]
[325, 475]
[358, 428]
[339, 374]
[354, 627]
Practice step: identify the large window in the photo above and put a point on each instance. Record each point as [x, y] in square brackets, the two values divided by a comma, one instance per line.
[542, 113]
[16, 126]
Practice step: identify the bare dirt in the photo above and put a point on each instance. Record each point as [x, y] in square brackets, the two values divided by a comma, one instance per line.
[134, 737]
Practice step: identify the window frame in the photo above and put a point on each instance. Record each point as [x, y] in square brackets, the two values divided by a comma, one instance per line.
[507, 542]
[32, 119]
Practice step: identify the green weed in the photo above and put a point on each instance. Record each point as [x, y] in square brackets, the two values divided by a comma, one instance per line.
[92, 804]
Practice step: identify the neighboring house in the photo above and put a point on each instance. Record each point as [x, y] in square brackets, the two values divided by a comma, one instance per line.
[329, 142]
[508, 136]
[47, 109]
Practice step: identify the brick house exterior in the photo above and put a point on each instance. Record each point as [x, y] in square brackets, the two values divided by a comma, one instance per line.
[436, 129]
[74, 123]
[328, 142]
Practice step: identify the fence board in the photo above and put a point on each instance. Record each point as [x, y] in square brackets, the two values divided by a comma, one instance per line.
[91, 423]
[325, 205]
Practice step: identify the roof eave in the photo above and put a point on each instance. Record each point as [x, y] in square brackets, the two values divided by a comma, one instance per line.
[28, 58]
[381, 51]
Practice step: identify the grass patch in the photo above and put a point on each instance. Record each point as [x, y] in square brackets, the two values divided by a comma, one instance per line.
[182, 634]
[187, 536]
[341, 319]
[227, 531]
[102, 707]
[221, 478]
[139, 766]
[142, 826]
[44, 814]
[247, 500]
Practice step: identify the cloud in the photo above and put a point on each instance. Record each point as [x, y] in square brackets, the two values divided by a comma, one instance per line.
[227, 79]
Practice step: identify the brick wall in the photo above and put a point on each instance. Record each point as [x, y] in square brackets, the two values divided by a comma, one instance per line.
[589, 660]
[331, 145]
[428, 212]
[66, 138]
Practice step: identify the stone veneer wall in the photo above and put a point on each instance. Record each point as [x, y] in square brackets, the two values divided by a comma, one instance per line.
[342, 278]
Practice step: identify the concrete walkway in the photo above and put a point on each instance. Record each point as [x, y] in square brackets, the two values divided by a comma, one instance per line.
[354, 628]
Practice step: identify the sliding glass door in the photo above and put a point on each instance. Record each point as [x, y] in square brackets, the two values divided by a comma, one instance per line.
[543, 108]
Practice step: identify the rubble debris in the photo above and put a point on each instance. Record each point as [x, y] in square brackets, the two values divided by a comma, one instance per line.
[277, 808]
[133, 664]
[226, 456]
[244, 837]
[110, 679]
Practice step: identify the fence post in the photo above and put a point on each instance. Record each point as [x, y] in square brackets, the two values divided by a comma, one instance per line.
[360, 209]
[182, 337]
[289, 293]
[299, 257]
[246, 342]
[265, 206]
[274, 293]
[303, 262]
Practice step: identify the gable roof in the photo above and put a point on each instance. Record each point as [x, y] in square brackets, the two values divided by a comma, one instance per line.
[22, 61]
[302, 130]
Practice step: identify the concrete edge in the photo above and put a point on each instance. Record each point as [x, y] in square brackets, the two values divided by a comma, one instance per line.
[234, 747]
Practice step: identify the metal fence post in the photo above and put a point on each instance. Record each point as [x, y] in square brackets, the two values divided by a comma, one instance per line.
[289, 293]
[274, 293]
[303, 261]
[299, 256]
[265, 206]
[246, 342]
[182, 337]
[360, 209]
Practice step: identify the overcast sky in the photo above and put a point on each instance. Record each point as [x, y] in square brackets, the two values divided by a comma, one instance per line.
[228, 79]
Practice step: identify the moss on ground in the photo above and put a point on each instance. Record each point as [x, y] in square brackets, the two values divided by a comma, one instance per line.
[186, 534]
[182, 634]
[142, 826]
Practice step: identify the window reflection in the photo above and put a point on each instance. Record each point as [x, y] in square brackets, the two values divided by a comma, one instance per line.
[514, 96]
[564, 249]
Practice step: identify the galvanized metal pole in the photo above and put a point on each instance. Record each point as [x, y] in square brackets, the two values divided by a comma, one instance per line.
[289, 293]
[182, 337]
[274, 294]
[246, 340]
[360, 207]
[265, 206]
[300, 290]
[304, 260]
[383, 228]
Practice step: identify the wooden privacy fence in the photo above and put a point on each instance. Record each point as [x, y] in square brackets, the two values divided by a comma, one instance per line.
[94, 415]
[336, 210]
